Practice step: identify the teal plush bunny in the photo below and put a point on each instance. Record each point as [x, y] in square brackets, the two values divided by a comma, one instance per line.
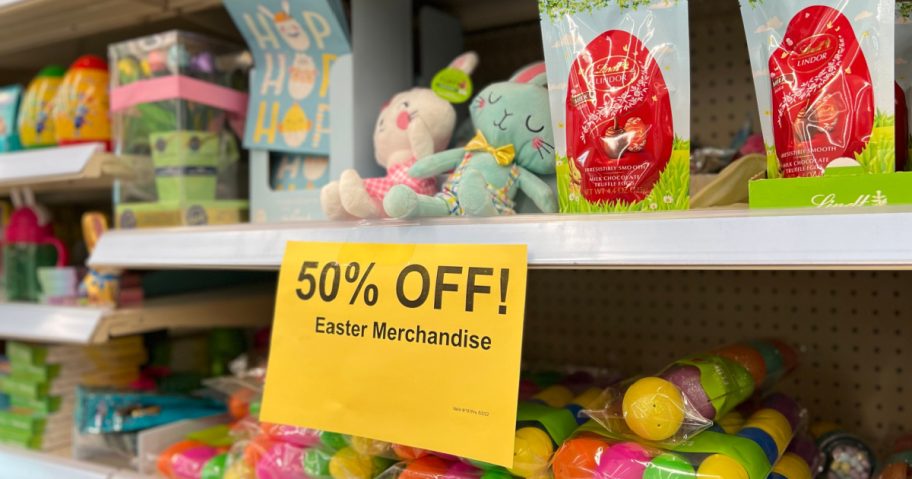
[513, 144]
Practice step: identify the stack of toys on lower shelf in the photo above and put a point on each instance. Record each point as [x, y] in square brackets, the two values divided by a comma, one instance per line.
[42, 383]
[715, 415]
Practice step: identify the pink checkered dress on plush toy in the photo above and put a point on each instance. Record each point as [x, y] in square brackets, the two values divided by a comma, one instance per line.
[398, 175]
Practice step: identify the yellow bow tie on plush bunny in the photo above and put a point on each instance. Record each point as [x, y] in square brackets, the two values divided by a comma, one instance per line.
[503, 155]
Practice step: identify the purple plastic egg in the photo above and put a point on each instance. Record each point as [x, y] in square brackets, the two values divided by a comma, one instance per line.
[785, 405]
[687, 379]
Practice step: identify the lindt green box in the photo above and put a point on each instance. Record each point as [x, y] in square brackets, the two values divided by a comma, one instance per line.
[840, 187]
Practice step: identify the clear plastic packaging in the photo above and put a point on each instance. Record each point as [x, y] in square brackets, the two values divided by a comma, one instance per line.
[178, 102]
[619, 82]
[903, 83]
[760, 446]
[688, 395]
[824, 80]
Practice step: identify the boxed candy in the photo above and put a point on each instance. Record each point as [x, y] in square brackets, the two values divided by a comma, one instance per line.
[178, 103]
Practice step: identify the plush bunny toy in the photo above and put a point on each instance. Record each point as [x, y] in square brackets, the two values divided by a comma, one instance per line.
[513, 144]
[413, 125]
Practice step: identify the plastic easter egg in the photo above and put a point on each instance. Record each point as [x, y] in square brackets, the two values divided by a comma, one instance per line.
[316, 463]
[495, 474]
[653, 408]
[281, 461]
[788, 353]
[178, 58]
[668, 466]
[785, 405]
[239, 470]
[256, 448]
[805, 447]
[687, 379]
[762, 439]
[332, 440]
[532, 449]
[554, 396]
[298, 436]
[157, 61]
[749, 358]
[81, 106]
[427, 467]
[408, 453]
[732, 422]
[370, 447]
[718, 466]
[792, 467]
[164, 464]
[347, 463]
[239, 403]
[775, 424]
[775, 366]
[626, 460]
[189, 463]
[36, 122]
[215, 468]
[578, 458]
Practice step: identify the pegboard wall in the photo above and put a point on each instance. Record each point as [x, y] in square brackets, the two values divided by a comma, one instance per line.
[722, 96]
[852, 328]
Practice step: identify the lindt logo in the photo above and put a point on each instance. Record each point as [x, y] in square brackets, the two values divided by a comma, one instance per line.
[812, 52]
[829, 200]
[614, 72]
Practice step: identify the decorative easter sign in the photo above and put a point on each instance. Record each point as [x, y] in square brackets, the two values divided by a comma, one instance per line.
[294, 44]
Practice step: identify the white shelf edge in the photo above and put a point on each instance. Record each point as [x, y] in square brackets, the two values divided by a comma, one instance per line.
[238, 307]
[20, 463]
[45, 323]
[26, 167]
[739, 239]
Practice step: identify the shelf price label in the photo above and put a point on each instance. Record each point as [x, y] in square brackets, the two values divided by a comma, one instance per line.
[413, 344]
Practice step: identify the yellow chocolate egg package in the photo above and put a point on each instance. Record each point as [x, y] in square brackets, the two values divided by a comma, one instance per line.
[823, 72]
[619, 81]
[36, 125]
[81, 107]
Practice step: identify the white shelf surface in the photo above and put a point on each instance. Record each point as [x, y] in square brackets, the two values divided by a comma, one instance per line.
[16, 463]
[239, 307]
[703, 239]
[60, 169]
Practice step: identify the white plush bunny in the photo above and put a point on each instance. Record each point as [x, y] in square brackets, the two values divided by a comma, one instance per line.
[412, 125]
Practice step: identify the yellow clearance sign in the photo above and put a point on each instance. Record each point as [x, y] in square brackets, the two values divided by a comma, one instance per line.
[413, 344]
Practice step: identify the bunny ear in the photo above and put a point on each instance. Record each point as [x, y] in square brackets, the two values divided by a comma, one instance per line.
[286, 7]
[534, 73]
[465, 62]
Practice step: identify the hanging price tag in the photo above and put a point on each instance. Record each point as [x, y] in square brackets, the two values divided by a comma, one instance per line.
[413, 344]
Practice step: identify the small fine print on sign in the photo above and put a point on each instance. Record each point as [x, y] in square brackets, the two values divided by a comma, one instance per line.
[417, 345]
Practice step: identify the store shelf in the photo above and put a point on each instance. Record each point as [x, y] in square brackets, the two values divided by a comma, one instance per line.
[27, 24]
[84, 325]
[66, 169]
[23, 464]
[728, 239]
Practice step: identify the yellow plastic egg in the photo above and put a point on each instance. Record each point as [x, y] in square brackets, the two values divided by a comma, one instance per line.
[532, 450]
[348, 464]
[718, 466]
[653, 408]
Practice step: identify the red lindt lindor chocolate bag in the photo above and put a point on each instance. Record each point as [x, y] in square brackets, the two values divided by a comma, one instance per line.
[619, 79]
[824, 79]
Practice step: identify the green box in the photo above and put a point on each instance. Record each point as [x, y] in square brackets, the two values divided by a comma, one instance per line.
[24, 371]
[838, 188]
[26, 389]
[42, 406]
[22, 420]
[158, 215]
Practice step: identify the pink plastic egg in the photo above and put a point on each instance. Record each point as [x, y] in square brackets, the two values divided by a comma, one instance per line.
[626, 460]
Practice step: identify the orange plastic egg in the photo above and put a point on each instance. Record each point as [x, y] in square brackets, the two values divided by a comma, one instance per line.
[578, 458]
